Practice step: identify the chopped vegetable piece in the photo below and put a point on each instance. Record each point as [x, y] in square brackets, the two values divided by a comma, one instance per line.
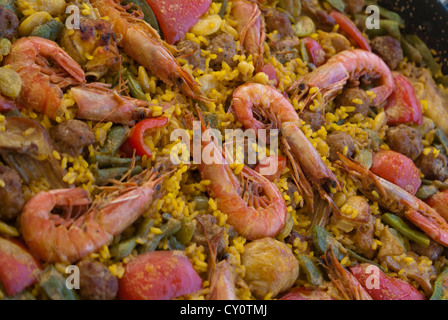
[176, 17]
[441, 286]
[54, 285]
[402, 227]
[313, 274]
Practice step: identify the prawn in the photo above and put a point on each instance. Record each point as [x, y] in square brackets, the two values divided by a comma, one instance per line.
[263, 101]
[96, 101]
[397, 200]
[142, 43]
[251, 27]
[222, 282]
[342, 279]
[255, 206]
[45, 69]
[54, 238]
[348, 65]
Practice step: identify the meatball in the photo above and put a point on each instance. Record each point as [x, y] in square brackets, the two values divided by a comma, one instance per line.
[433, 167]
[270, 267]
[191, 51]
[314, 119]
[337, 141]
[276, 20]
[405, 140]
[354, 6]
[71, 137]
[284, 50]
[96, 281]
[354, 97]
[389, 49]
[224, 46]
[9, 23]
[11, 196]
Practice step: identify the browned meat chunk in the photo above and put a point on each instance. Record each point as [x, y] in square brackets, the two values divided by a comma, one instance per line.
[354, 6]
[191, 51]
[224, 46]
[354, 97]
[276, 20]
[432, 251]
[405, 140]
[208, 231]
[72, 136]
[96, 281]
[11, 196]
[314, 119]
[9, 23]
[433, 168]
[389, 49]
[337, 141]
[284, 50]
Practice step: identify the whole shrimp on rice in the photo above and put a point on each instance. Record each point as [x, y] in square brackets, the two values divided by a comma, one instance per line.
[55, 238]
[45, 69]
[254, 100]
[346, 66]
[141, 42]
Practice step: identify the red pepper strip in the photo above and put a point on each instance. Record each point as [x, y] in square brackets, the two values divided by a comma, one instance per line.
[383, 287]
[137, 134]
[176, 17]
[348, 26]
[18, 268]
[316, 52]
[271, 73]
[403, 106]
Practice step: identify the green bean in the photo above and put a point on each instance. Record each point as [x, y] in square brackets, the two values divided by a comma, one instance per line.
[337, 4]
[387, 27]
[426, 191]
[312, 271]
[441, 286]
[410, 51]
[135, 88]
[443, 80]
[49, 30]
[323, 240]
[54, 285]
[402, 227]
[223, 9]
[212, 120]
[144, 226]
[104, 175]
[115, 138]
[440, 135]
[388, 14]
[427, 56]
[124, 248]
[174, 244]
[168, 229]
[149, 15]
[107, 161]
[201, 202]
[304, 27]
[186, 231]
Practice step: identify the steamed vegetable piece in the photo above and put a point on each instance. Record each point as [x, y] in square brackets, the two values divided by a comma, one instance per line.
[18, 268]
[387, 27]
[54, 285]
[148, 14]
[403, 228]
[381, 287]
[427, 56]
[104, 175]
[292, 8]
[168, 229]
[441, 286]
[304, 27]
[10, 83]
[138, 132]
[384, 13]
[26, 146]
[50, 30]
[396, 168]
[158, 275]
[403, 106]
[176, 17]
[323, 240]
[348, 26]
[116, 136]
[311, 269]
[337, 4]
